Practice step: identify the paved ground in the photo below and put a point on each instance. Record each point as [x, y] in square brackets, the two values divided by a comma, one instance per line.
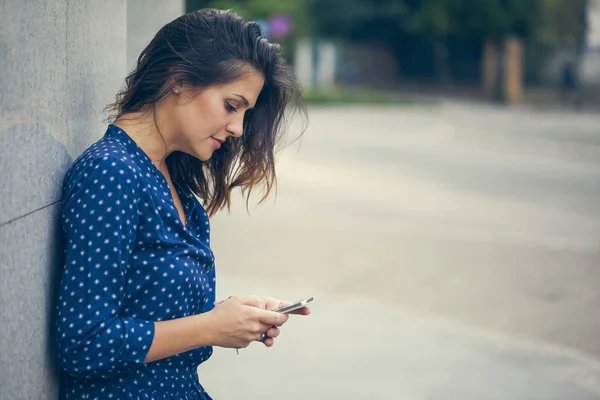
[452, 250]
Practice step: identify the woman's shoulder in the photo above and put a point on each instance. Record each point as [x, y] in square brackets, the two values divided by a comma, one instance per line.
[106, 160]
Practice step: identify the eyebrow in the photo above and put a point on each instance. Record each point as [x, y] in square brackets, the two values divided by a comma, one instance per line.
[243, 99]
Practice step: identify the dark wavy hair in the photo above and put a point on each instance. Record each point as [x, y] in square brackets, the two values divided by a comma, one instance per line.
[211, 47]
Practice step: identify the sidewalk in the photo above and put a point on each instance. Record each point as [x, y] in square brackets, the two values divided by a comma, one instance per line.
[535, 97]
[351, 348]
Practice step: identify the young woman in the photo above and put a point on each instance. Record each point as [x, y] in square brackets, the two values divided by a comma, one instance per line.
[198, 117]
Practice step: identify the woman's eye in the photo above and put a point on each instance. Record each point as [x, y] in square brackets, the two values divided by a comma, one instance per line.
[230, 108]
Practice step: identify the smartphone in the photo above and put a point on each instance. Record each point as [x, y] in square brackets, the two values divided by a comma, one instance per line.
[295, 306]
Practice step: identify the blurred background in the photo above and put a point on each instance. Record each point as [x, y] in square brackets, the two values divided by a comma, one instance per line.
[442, 205]
[506, 51]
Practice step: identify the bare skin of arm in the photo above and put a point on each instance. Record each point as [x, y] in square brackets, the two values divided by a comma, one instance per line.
[234, 323]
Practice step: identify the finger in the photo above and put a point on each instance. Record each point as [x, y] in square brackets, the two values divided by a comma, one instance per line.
[273, 332]
[269, 342]
[274, 304]
[243, 344]
[254, 301]
[263, 328]
[271, 318]
[301, 311]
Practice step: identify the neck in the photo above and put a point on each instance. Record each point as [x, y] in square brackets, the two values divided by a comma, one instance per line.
[148, 134]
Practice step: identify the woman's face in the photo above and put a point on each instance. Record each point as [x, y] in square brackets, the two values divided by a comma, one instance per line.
[202, 121]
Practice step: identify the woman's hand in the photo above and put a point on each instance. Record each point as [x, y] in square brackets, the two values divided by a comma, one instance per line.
[241, 320]
[269, 303]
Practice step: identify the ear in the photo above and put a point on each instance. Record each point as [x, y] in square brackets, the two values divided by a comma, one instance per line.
[174, 84]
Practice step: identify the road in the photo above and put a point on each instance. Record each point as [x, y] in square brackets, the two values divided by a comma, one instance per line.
[453, 251]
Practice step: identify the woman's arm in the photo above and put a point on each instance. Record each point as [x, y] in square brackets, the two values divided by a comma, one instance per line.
[99, 218]
[180, 335]
[235, 323]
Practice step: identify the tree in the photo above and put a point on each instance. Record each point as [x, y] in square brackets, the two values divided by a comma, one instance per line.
[357, 19]
[562, 23]
[433, 24]
[256, 10]
[436, 22]
[193, 5]
[503, 26]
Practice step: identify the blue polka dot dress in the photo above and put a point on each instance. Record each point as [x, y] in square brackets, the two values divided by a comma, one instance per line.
[129, 262]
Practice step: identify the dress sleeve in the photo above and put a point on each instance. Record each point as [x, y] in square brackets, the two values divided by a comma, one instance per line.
[99, 218]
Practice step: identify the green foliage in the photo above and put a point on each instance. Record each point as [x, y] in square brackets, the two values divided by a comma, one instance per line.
[264, 9]
[432, 18]
[428, 18]
[557, 22]
[357, 19]
[253, 10]
[562, 23]
[193, 5]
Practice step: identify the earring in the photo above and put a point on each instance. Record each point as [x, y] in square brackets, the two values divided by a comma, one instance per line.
[175, 91]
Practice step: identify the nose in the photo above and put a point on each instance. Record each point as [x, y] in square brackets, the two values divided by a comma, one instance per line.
[236, 127]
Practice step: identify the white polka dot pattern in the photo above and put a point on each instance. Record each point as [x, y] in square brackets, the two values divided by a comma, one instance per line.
[129, 261]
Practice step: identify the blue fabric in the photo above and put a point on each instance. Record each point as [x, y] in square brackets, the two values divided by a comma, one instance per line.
[129, 261]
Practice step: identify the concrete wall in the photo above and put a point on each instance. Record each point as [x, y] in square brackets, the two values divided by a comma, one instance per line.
[61, 62]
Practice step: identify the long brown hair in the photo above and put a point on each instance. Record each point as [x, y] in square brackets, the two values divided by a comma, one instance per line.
[211, 47]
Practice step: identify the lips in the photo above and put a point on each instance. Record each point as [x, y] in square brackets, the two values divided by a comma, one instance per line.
[217, 142]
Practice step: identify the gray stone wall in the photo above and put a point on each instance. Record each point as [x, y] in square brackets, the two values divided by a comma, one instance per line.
[61, 62]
